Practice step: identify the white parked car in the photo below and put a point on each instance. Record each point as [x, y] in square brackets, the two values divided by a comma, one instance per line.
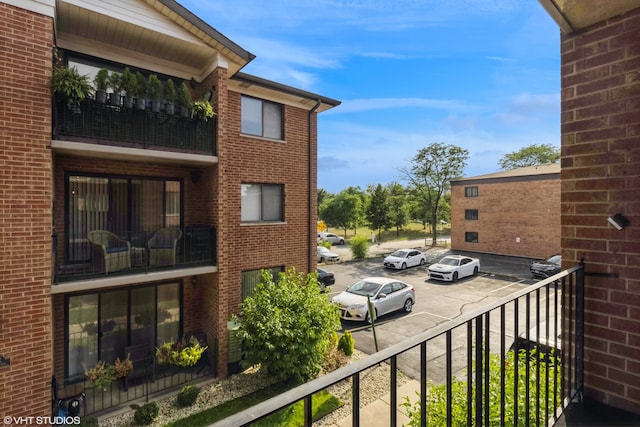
[325, 255]
[403, 258]
[454, 267]
[387, 295]
[333, 238]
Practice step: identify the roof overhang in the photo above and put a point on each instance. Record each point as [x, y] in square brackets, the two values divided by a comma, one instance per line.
[575, 15]
[157, 35]
[267, 89]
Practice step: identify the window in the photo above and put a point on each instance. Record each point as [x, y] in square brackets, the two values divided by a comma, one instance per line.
[471, 237]
[262, 202]
[100, 325]
[470, 191]
[252, 278]
[132, 208]
[261, 118]
[471, 214]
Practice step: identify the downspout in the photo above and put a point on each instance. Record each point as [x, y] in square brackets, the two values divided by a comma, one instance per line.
[310, 196]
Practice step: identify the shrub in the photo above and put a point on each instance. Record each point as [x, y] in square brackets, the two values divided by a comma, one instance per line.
[539, 364]
[89, 422]
[187, 395]
[325, 243]
[146, 413]
[334, 358]
[345, 343]
[359, 247]
[287, 325]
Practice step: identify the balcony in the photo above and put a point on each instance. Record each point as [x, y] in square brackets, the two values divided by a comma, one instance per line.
[130, 253]
[115, 125]
[472, 355]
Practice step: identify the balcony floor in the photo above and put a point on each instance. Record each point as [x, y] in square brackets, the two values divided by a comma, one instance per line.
[591, 413]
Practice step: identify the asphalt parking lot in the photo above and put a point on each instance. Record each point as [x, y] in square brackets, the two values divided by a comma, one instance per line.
[436, 301]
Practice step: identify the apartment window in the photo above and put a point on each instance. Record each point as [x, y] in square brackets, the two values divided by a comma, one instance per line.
[100, 325]
[471, 237]
[252, 278]
[261, 118]
[470, 191]
[471, 214]
[262, 202]
[130, 207]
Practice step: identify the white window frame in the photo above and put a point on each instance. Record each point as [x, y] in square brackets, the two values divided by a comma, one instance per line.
[261, 118]
[261, 202]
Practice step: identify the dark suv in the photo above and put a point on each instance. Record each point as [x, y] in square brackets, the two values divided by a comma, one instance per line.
[546, 267]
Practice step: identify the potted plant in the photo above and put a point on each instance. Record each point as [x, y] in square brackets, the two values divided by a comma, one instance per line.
[155, 92]
[140, 91]
[169, 93]
[67, 84]
[101, 375]
[184, 99]
[128, 83]
[115, 83]
[122, 368]
[202, 110]
[101, 82]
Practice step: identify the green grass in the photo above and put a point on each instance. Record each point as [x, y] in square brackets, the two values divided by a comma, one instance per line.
[411, 231]
[322, 402]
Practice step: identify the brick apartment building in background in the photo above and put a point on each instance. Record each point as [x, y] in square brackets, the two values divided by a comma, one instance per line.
[514, 212]
[125, 226]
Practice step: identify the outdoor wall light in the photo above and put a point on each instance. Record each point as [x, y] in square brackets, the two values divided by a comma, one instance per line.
[192, 82]
[4, 361]
[619, 221]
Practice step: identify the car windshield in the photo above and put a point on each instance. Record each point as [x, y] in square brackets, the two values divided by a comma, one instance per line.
[400, 254]
[323, 250]
[556, 259]
[364, 288]
[449, 261]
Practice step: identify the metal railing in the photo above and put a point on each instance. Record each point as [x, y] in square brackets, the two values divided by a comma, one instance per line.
[83, 260]
[110, 124]
[469, 345]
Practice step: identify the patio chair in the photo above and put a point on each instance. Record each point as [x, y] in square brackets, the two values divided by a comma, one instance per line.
[162, 246]
[109, 252]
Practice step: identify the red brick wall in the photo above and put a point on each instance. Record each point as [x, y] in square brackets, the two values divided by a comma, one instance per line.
[524, 209]
[25, 212]
[600, 177]
[244, 159]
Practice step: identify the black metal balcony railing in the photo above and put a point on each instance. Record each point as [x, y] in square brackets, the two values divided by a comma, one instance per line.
[466, 344]
[135, 253]
[108, 124]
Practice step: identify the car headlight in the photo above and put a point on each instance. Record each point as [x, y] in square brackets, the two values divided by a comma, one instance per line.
[356, 306]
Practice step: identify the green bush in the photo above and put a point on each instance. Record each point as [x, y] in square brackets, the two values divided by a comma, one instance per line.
[359, 247]
[437, 394]
[187, 396]
[345, 343]
[89, 422]
[327, 244]
[146, 413]
[286, 326]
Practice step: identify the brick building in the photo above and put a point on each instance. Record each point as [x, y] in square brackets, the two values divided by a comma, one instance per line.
[600, 176]
[515, 212]
[127, 226]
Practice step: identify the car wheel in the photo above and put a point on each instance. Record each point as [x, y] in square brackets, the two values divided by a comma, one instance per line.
[408, 306]
[475, 271]
[341, 242]
[455, 276]
[422, 262]
[367, 318]
[322, 259]
[404, 265]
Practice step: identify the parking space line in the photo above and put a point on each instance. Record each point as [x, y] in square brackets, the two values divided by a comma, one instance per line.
[509, 285]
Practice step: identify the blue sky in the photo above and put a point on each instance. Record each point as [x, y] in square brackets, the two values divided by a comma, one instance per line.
[480, 74]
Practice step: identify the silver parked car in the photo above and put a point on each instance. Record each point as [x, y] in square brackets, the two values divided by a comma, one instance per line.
[325, 255]
[403, 258]
[333, 238]
[387, 295]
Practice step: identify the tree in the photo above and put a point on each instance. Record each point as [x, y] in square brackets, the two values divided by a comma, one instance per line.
[429, 175]
[286, 326]
[532, 155]
[398, 207]
[378, 209]
[342, 211]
